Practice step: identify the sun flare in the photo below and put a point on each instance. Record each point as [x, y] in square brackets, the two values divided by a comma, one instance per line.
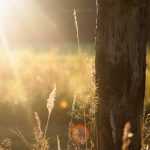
[5, 3]
[5, 6]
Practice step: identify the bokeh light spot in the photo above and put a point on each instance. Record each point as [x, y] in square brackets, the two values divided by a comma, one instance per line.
[64, 104]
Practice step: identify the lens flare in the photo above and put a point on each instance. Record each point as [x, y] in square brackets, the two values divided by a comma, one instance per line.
[79, 133]
[63, 104]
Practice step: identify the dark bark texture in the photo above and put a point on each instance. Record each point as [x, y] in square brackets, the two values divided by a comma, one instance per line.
[120, 71]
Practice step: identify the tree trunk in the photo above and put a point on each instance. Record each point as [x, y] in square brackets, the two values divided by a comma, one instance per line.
[120, 72]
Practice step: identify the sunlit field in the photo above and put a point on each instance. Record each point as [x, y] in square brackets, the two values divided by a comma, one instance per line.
[47, 75]
[27, 78]
[30, 74]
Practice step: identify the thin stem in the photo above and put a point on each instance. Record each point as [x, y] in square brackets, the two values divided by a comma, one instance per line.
[77, 28]
[85, 130]
[58, 143]
[47, 123]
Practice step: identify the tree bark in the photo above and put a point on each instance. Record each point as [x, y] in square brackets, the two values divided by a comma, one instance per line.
[120, 71]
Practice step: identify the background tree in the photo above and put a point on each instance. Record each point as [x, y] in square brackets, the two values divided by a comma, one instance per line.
[120, 72]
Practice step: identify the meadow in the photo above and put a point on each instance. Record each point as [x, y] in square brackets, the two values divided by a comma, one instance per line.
[27, 78]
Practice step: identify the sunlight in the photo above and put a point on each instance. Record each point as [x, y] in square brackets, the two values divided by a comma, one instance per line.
[5, 7]
[17, 25]
[25, 21]
[12, 60]
[5, 3]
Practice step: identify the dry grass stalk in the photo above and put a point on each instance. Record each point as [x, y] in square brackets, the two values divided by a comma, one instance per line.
[41, 145]
[147, 147]
[51, 100]
[96, 18]
[38, 133]
[19, 134]
[6, 144]
[77, 28]
[58, 143]
[40, 137]
[50, 106]
[85, 130]
[127, 136]
[74, 103]
[41, 141]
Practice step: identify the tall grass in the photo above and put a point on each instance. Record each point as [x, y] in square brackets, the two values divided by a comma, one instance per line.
[41, 141]
[77, 28]
[38, 72]
[32, 77]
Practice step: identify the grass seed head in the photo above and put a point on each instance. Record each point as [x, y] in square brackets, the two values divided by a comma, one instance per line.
[51, 100]
[37, 130]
